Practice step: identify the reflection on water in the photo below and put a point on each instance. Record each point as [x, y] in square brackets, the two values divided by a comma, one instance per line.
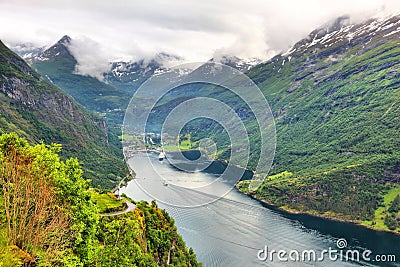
[231, 230]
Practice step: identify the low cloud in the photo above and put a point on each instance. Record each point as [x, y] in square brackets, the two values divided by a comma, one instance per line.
[92, 59]
[194, 30]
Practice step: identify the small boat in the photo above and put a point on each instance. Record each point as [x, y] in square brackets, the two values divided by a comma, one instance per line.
[161, 157]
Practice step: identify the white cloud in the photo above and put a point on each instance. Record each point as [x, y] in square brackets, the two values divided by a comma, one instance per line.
[91, 57]
[195, 30]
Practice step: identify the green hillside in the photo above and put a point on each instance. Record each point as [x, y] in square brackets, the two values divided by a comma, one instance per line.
[337, 115]
[49, 216]
[58, 65]
[39, 111]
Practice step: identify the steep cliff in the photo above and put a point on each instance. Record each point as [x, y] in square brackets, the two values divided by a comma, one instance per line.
[39, 111]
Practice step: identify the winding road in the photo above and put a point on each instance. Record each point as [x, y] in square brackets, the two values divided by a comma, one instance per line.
[130, 207]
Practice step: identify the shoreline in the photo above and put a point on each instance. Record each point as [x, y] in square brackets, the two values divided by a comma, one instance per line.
[217, 160]
[290, 211]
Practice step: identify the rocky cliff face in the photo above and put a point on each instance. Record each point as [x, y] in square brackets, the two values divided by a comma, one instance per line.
[30, 92]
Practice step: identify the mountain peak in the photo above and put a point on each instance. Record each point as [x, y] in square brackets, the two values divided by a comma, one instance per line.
[339, 35]
[58, 50]
[163, 56]
[38, 110]
[65, 40]
[236, 62]
[330, 27]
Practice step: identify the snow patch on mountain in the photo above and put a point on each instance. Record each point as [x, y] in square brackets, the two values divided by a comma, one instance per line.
[27, 51]
[236, 62]
[342, 30]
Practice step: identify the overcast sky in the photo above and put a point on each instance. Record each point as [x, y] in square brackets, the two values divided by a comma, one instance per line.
[195, 30]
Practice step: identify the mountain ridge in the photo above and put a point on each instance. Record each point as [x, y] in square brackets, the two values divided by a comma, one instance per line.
[58, 65]
[39, 111]
[334, 98]
[125, 76]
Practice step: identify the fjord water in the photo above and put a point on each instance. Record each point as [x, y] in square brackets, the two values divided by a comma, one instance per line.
[232, 230]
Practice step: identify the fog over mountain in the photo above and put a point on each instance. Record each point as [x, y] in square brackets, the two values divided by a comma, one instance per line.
[106, 31]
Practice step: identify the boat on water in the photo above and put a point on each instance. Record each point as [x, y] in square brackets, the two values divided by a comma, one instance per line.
[161, 157]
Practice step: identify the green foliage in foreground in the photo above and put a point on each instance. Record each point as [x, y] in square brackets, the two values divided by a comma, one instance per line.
[145, 237]
[68, 223]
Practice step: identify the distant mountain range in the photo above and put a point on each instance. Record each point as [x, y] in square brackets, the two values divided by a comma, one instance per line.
[27, 51]
[237, 63]
[125, 76]
[128, 76]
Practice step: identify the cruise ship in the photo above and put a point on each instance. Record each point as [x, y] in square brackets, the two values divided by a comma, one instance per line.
[161, 157]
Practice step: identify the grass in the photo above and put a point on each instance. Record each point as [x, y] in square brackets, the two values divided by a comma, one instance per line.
[176, 148]
[126, 137]
[184, 144]
[390, 195]
[284, 174]
[380, 213]
[107, 202]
